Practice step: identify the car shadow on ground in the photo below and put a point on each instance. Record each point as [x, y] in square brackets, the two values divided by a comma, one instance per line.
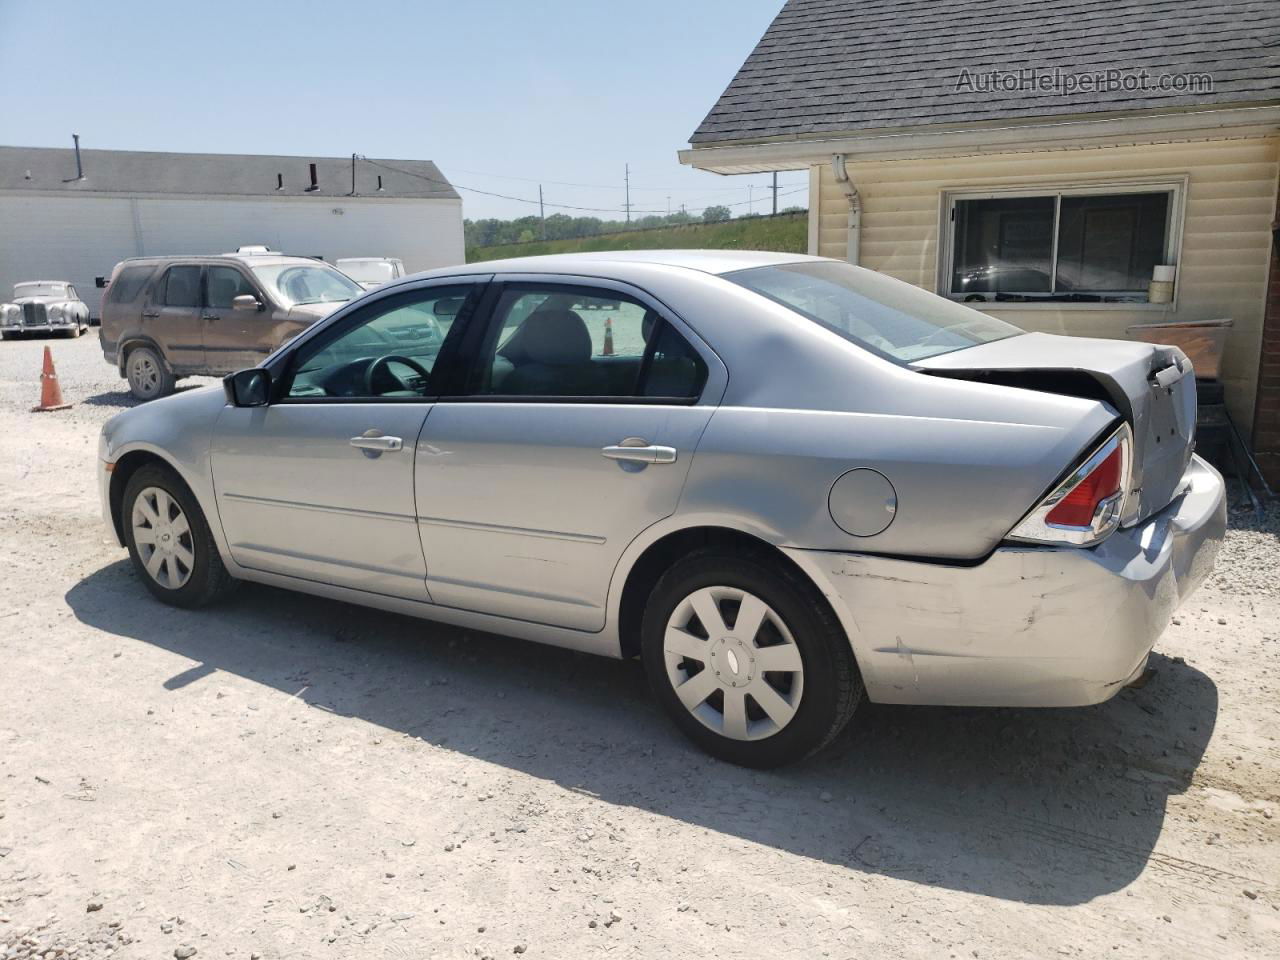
[123, 399]
[1039, 806]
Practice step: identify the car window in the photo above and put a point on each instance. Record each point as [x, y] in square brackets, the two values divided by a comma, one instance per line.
[893, 319]
[126, 287]
[181, 287]
[224, 284]
[295, 283]
[565, 341]
[389, 352]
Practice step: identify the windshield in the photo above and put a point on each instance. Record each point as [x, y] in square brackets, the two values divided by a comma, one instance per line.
[891, 318]
[58, 290]
[368, 271]
[293, 283]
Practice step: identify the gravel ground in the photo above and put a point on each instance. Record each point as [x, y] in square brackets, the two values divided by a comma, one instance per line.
[290, 777]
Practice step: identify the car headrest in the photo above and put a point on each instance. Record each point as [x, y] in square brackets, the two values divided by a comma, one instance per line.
[556, 336]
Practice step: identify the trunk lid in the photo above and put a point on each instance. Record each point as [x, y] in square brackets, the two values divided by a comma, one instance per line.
[1153, 387]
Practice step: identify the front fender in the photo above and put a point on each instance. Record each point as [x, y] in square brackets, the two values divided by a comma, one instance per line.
[178, 430]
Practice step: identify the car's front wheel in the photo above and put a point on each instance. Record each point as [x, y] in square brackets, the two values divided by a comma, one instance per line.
[748, 659]
[169, 540]
[148, 377]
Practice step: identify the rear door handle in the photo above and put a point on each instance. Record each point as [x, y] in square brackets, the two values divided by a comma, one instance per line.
[640, 452]
[151, 314]
[377, 445]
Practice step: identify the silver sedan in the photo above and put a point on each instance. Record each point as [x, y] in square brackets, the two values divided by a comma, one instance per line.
[784, 483]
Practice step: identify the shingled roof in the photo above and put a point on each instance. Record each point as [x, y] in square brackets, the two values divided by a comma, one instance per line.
[848, 66]
[41, 169]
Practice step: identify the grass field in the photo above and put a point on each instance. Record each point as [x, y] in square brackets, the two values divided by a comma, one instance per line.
[786, 233]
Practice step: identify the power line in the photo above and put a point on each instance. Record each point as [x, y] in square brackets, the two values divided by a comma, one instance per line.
[586, 186]
[628, 208]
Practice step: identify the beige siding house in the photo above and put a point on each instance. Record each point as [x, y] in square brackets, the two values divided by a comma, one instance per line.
[1017, 193]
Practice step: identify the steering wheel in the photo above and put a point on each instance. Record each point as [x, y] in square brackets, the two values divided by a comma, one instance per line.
[383, 363]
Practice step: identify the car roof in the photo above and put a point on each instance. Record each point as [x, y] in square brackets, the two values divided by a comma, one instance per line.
[261, 259]
[707, 261]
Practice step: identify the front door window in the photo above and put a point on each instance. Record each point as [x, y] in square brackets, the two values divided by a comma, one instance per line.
[389, 351]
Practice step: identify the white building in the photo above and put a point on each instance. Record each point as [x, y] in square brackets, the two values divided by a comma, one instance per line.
[63, 221]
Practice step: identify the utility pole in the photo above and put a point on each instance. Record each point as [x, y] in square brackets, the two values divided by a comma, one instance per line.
[751, 203]
[542, 213]
[353, 175]
[668, 206]
[775, 193]
[626, 179]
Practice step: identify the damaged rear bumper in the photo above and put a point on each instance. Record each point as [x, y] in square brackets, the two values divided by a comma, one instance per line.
[1030, 626]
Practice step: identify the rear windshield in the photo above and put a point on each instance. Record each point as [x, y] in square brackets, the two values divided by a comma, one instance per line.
[368, 271]
[893, 319]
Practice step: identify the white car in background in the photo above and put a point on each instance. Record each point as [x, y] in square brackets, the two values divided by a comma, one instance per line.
[371, 272]
[43, 306]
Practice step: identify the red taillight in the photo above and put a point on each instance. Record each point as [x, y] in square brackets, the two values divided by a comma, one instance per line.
[1086, 507]
[1078, 507]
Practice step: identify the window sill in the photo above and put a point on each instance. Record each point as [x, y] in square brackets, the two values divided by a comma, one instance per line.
[1072, 307]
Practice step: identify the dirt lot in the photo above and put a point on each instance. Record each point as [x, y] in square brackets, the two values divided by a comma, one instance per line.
[291, 777]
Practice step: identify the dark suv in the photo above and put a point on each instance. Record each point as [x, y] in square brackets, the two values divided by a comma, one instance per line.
[170, 317]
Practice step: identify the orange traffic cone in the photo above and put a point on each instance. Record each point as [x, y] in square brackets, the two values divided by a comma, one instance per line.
[50, 392]
[608, 338]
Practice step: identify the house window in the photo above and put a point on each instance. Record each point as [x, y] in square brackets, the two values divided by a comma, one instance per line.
[1086, 245]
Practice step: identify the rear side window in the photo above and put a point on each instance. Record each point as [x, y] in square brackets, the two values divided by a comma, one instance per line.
[126, 287]
[576, 342]
[181, 287]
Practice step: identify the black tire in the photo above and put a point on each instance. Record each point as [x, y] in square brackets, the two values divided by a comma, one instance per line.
[832, 685]
[208, 579]
[158, 384]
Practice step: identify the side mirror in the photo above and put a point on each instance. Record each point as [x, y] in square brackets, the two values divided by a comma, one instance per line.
[100, 282]
[248, 388]
[246, 302]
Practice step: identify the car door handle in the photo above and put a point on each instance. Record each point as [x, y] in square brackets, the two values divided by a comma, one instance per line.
[379, 444]
[638, 453]
[209, 316]
[150, 314]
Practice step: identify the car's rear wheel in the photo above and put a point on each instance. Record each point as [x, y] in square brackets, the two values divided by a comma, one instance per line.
[748, 659]
[147, 374]
[169, 540]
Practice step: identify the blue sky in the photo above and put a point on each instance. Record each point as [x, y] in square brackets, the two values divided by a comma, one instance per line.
[500, 94]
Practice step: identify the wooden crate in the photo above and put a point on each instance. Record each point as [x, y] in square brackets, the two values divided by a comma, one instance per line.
[1201, 340]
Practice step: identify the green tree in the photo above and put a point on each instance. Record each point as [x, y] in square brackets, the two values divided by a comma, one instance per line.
[715, 214]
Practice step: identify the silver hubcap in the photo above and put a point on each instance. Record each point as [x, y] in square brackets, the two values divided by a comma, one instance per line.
[144, 374]
[733, 663]
[163, 536]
